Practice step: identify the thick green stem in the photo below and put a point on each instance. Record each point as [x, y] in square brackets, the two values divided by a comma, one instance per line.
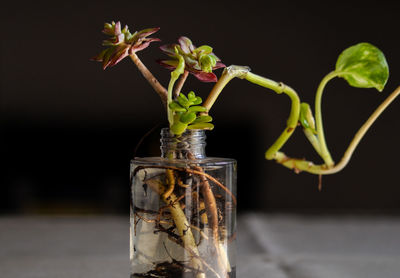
[180, 69]
[294, 113]
[324, 152]
[172, 81]
[308, 166]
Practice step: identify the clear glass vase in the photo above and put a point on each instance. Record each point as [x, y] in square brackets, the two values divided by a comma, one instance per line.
[183, 211]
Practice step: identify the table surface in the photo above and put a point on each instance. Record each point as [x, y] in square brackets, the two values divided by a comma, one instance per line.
[269, 246]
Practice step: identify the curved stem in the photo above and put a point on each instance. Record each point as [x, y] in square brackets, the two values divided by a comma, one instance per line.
[362, 131]
[326, 156]
[170, 113]
[227, 75]
[310, 167]
[294, 112]
[180, 69]
[160, 90]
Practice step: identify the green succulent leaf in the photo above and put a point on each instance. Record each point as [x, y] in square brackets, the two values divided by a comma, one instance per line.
[207, 63]
[192, 96]
[176, 107]
[188, 117]
[197, 108]
[183, 101]
[187, 114]
[205, 49]
[178, 127]
[363, 66]
[202, 119]
[207, 126]
[197, 101]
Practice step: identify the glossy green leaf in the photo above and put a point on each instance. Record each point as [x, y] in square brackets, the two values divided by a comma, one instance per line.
[183, 101]
[178, 128]
[188, 117]
[176, 107]
[207, 62]
[197, 101]
[203, 119]
[191, 96]
[363, 66]
[197, 108]
[204, 49]
[207, 126]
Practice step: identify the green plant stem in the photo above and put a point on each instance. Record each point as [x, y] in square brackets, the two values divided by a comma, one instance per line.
[180, 69]
[172, 81]
[310, 167]
[160, 90]
[324, 152]
[294, 112]
[313, 140]
[227, 75]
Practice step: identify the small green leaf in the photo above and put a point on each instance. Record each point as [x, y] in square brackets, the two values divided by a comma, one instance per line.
[197, 101]
[306, 117]
[207, 62]
[183, 101]
[363, 66]
[192, 96]
[197, 108]
[178, 128]
[188, 117]
[174, 106]
[202, 119]
[207, 126]
[204, 49]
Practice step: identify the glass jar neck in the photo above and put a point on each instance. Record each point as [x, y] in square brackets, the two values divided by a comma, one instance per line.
[190, 144]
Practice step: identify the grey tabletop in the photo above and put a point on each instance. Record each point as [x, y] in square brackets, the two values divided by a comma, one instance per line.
[269, 246]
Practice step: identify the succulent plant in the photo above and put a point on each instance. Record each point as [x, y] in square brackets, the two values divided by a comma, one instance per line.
[122, 43]
[200, 61]
[187, 114]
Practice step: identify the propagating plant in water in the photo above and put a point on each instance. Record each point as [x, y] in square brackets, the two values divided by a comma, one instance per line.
[199, 227]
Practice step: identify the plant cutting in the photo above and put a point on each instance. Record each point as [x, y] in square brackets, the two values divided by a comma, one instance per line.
[183, 203]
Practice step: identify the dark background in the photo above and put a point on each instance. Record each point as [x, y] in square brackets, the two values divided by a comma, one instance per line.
[69, 129]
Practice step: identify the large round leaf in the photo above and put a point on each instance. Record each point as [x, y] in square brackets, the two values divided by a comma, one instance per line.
[364, 66]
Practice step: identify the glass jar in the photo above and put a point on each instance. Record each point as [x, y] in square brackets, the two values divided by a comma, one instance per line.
[183, 211]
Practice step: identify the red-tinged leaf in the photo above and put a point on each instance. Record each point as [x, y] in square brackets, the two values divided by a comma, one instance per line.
[186, 44]
[99, 57]
[108, 29]
[219, 65]
[107, 55]
[123, 43]
[205, 77]
[169, 49]
[143, 44]
[169, 64]
[119, 54]
[117, 28]
[147, 32]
